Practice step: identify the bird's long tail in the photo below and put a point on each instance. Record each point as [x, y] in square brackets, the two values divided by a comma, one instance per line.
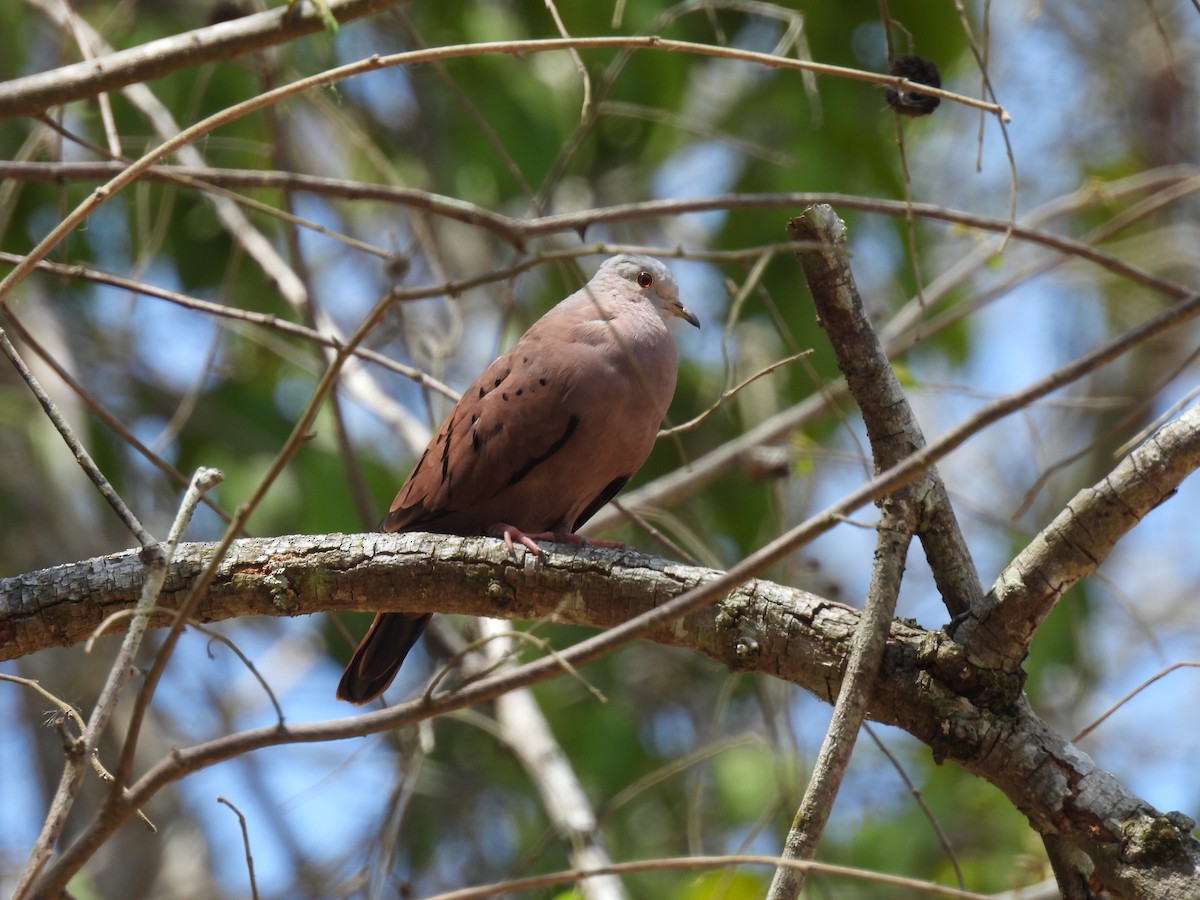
[378, 657]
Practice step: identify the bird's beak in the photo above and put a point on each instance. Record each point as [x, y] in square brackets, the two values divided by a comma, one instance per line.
[675, 308]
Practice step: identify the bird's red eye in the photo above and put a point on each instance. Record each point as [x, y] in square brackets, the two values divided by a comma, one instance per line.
[645, 279]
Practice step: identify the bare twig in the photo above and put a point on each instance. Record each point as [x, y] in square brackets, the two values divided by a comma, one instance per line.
[911, 886]
[226, 40]
[245, 843]
[1137, 690]
[894, 433]
[122, 615]
[34, 93]
[915, 791]
[730, 393]
[124, 513]
[849, 712]
[220, 311]
[520, 231]
[291, 445]
[157, 560]
[102, 412]
[585, 109]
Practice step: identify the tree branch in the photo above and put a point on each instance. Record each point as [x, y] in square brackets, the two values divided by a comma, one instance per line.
[759, 627]
[34, 93]
[894, 433]
[145, 62]
[1077, 541]
[518, 231]
[862, 668]
[892, 428]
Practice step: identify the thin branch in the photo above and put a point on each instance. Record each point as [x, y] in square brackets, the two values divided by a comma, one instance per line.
[124, 513]
[145, 62]
[104, 101]
[585, 109]
[472, 111]
[519, 231]
[246, 844]
[101, 411]
[34, 93]
[156, 561]
[915, 791]
[911, 886]
[221, 311]
[120, 161]
[1137, 690]
[893, 432]
[849, 712]
[293, 443]
[729, 393]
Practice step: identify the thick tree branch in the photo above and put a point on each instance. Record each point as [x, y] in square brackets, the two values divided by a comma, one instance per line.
[298, 575]
[921, 507]
[1077, 541]
[892, 428]
[760, 627]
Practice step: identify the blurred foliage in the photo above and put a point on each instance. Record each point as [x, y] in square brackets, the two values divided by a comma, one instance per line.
[491, 130]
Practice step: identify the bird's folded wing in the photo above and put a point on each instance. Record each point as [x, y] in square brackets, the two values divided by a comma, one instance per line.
[515, 417]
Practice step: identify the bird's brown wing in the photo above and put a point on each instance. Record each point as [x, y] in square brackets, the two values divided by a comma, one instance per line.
[514, 419]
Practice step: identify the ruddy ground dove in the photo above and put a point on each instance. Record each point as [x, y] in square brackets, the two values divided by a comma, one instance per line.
[544, 437]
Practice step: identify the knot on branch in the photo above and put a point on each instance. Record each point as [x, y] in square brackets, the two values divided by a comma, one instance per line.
[1158, 840]
[997, 691]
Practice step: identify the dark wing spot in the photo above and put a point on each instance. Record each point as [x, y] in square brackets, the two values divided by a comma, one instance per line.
[504, 396]
[482, 392]
[520, 391]
[476, 440]
[572, 424]
[603, 497]
[446, 457]
[543, 382]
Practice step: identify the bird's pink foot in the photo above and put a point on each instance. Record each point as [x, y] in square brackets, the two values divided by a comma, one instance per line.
[512, 533]
[513, 536]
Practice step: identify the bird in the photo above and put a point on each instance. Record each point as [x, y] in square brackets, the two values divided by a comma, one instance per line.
[544, 437]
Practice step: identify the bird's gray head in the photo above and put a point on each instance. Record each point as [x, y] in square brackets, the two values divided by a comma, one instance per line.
[651, 279]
